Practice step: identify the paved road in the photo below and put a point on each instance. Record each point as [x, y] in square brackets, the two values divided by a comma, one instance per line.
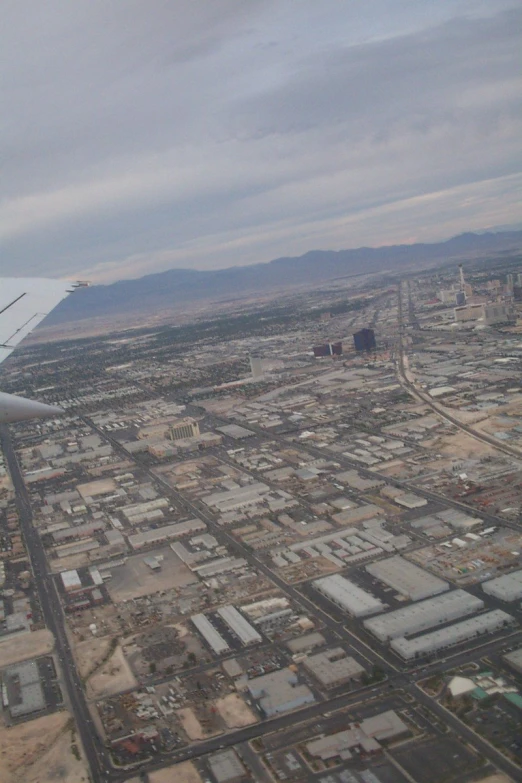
[52, 614]
[511, 451]
[396, 678]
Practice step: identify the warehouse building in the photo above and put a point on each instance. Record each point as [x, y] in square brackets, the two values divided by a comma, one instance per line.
[406, 578]
[452, 635]
[365, 736]
[210, 635]
[333, 668]
[71, 581]
[306, 643]
[506, 588]
[279, 692]
[423, 615]
[348, 596]
[140, 540]
[226, 767]
[22, 691]
[514, 660]
[239, 626]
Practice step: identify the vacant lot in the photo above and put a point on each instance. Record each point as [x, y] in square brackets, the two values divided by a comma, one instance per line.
[135, 578]
[40, 751]
[434, 760]
[185, 772]
[90, 653]
[235, 712]
[25, 645]
[113, 677]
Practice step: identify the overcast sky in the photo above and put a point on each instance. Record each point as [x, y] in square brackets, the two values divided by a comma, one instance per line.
[141, 135]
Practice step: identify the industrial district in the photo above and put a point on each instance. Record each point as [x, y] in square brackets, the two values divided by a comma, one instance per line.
[278, 540]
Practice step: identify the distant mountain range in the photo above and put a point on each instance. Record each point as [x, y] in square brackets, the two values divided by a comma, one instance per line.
[159, 291]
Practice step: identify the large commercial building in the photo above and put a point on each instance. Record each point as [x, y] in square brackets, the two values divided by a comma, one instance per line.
[406, 578]
[497, 313]
[424, 615]
[239, 626]
[489, 622]
[469, 312]
[366, 736]
[256, 367]
[210, 635]
[514, 659]
[187, 428]
[140, 540]
[333, 667]
[22, 692]
[328, 349]
[226, 767]
[348, 596]
[279, 692]
[364, 340]
[506, 588]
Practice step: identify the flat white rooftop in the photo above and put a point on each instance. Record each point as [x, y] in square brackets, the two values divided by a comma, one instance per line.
[348, 596]
[423, 615]
[406, 578]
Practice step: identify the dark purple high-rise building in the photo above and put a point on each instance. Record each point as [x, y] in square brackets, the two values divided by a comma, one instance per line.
[364, 340]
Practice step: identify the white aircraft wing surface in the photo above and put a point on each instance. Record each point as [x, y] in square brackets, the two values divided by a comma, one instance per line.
[24, 302]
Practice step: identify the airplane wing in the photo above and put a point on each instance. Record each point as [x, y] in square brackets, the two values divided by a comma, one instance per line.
[24, 302]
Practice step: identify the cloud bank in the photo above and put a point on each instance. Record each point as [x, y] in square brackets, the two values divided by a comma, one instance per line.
[140, 136]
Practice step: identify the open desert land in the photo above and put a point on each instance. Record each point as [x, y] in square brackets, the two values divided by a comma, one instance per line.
[235, 712]
[191, 725]
[43, 750]
[112, 677]
[25, 645]
[90, 653]
[185, 772]
[135, 578]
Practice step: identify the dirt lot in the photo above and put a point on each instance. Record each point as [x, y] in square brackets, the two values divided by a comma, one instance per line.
[88, 654]
[25, 645]
[39, 751]
[185, 772]
[135, 578]
[191, 725]
[494, 779]
[461, 445]
[113, 677]
[235, 712]
[93, 488]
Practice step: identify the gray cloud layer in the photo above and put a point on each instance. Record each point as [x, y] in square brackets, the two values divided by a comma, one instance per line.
[144, 135]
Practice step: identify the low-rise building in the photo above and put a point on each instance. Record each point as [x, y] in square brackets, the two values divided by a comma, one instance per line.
[507, 587]
[226, 767]
[348, 596]
[334, 667]
[423, 615]
[406, 578]
[428, 643]
[279, 692]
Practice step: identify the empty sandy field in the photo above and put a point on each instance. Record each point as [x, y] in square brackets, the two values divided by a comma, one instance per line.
[235, 712]
[113, 677]
[26, 645]
[135, 578]
[40, 751]
[90, 653]
[185, 772]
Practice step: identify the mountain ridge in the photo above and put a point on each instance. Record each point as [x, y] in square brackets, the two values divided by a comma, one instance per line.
[161, 289]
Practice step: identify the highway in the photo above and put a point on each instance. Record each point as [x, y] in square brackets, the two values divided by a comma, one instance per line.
[510, 451]
[53, 617]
